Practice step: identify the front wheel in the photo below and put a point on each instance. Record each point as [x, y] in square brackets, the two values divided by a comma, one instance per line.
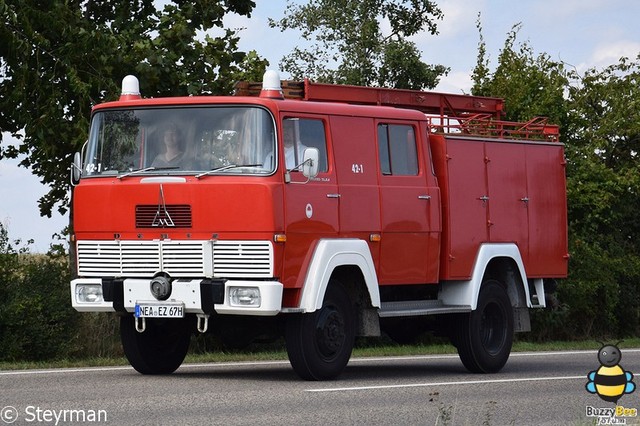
[160, 349]
[319, 344]
[484, 336]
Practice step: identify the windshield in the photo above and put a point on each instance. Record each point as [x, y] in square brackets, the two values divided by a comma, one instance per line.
[181, 140]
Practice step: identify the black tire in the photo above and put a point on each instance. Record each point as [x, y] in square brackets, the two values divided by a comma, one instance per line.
[319, 344]
[484, 336]
[160, 349]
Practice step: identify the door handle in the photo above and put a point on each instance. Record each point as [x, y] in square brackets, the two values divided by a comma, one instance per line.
[333, 195]
[424, 197]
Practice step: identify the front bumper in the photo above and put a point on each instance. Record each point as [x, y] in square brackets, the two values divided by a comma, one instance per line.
[199, 296]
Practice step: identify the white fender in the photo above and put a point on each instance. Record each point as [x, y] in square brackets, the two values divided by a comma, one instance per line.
[465, 292]
[330, 254]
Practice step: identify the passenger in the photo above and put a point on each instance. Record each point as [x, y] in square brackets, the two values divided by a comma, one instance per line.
[173, 152]
[293, 150]
[235, 153]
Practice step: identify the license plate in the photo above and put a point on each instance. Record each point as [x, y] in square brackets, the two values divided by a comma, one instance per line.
[159, 310]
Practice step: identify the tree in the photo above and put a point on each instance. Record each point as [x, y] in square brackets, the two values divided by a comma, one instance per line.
[603, 135]
[532, 85]
[348, 45]
[604, 159]
[57, 60]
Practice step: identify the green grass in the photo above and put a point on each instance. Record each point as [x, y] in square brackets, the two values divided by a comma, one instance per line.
[276, 351]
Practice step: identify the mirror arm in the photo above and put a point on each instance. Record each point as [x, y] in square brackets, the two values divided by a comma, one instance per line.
[309, 166]
[287, 175]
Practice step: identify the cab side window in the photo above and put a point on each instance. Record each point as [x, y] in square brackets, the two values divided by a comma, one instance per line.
[304, 133]
[397, 150]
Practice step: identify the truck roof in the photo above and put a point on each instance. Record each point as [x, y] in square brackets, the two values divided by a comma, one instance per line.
[445, 113]
[282, 105]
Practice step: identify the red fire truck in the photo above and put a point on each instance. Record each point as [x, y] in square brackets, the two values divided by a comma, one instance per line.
[319, 213]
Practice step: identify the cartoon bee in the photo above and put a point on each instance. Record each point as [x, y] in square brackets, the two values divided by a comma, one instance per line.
[610, 381]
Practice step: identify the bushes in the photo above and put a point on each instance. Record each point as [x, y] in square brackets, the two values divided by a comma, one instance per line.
[36, 318]
[37, 321]
[599, 300]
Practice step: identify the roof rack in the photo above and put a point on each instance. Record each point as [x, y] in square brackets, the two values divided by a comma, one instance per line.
[449, 113]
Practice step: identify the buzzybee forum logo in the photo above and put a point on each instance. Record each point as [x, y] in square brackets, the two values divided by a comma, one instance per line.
[610, 382]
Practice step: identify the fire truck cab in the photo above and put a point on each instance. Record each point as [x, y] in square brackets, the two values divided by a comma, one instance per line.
[320, 213]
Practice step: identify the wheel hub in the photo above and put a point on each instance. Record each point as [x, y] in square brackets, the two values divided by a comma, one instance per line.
[330, 332]
[492, 328]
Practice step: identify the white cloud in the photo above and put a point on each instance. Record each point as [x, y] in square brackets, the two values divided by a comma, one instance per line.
[455, 82]
[611, 52]
[459, 17]
[459, 21]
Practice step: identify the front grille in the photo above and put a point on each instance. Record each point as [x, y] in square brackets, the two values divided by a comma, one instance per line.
[220, 259]
[235, 259]
[159, 216]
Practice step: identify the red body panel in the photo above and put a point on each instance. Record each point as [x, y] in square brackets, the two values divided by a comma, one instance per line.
[547, 207]
[502, 191]
[231, 207]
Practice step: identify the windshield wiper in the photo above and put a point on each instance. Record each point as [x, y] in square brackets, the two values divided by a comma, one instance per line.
[146, 169]
[227, 167]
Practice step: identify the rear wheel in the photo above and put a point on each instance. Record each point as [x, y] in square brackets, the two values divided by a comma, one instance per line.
[484, 336]
[160, 349]
[319, 344]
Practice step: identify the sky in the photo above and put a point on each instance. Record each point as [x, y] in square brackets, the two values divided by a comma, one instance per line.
[583, 34]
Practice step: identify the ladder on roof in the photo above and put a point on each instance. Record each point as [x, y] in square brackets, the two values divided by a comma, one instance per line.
[427, 102]
[447, 113]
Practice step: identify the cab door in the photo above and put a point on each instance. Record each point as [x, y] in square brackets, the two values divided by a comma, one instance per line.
[405, 205]
[311, 208]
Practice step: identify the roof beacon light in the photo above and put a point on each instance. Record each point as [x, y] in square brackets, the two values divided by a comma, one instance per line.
[271, 85]
[130, 88]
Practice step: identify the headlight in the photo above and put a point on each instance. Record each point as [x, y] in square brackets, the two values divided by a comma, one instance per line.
[89, 293]
[244, 296]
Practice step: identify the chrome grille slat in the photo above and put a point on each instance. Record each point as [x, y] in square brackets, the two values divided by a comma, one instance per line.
[235, 259]
[231, 259]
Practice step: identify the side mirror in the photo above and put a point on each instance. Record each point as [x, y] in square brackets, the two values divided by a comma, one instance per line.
[310, 162]
[76, 169]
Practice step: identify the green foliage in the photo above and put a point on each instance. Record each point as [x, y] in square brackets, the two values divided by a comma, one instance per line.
[603, 179]
[604, 130]
[532, 85]
[36, 319]
[348, 46]
[60, 58]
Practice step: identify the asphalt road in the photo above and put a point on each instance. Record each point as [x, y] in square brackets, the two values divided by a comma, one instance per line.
[533, 389]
